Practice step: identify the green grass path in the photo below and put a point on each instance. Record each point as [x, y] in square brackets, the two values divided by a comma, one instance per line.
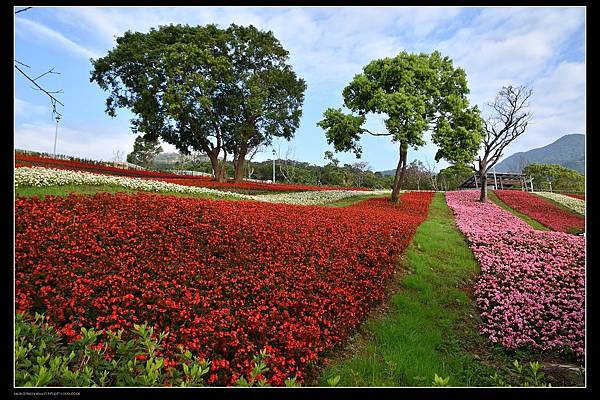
[429, 321]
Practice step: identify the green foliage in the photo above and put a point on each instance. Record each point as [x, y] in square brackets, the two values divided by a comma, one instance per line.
[439, 381]
[561, 178]
[525, 376]
[42, 358]
[202, 88]
[333, 381]
[416, 92]
[144, 151]
[452, 177]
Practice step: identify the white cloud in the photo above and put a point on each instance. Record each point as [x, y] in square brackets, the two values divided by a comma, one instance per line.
[49, 36]
[25, 109]
[98, 141]
[82, 141]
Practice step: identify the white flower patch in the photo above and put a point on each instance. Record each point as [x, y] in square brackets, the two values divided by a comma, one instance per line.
[316, 197]
[574, 204]
[40, 176]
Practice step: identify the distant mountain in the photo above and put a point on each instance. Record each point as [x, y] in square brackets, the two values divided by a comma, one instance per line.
[568, 151]
[388, 172]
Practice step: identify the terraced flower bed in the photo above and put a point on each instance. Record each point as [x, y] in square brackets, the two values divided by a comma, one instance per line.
[40, 177]
[531, 291]
[542, 211]
[226, 279]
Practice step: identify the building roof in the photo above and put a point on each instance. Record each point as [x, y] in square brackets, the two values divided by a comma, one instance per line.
[507, 178]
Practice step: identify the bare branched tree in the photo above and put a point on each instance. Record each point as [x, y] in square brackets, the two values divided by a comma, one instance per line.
[432, 174]
[250, 156]
[118, 155]
[287, 165]
[508, 120]
[360, 167]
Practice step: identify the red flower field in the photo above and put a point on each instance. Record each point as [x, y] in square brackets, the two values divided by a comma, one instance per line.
[227, 279]
[542, 210]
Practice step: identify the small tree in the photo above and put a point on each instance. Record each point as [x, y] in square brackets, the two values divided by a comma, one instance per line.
[507, 121]
[144, 151]
[416, 92]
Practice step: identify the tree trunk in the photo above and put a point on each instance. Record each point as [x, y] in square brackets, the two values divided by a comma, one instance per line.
[218, 168]
[238, 165]
[483, 182]
[400, 169]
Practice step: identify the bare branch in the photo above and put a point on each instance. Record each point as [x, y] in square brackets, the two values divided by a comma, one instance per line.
[54, 99]
[23, 9]
[19, 62]
[376, 134]
[46, 73]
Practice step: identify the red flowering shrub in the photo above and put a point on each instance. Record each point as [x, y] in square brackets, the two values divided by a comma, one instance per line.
[226, 279]
[542, 210]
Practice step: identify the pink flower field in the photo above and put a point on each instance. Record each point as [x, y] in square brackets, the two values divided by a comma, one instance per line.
[531, 288]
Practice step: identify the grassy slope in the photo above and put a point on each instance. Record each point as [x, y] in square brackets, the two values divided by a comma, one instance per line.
[353, 200]
[429, 319]
[532, 222]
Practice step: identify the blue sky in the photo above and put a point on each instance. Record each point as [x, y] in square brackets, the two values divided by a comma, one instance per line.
[543, 47]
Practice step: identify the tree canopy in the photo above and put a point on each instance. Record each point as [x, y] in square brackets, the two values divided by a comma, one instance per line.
[202, 88]
[144, 151]
[415, 93]
[555, 177]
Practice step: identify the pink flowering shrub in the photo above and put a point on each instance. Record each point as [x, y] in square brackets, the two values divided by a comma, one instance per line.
[531, 288]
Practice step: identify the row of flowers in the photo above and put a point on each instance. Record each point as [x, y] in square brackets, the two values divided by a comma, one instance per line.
[226, 279]
[532, 284]
[542, 210]
[575, 196]
[253, 185]
[22, 159]
[30, 159]
[39, 177]
[570, 202]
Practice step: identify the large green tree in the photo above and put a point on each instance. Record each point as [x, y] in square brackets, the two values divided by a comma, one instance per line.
[202, 88]
[144, 151]
[416, 93]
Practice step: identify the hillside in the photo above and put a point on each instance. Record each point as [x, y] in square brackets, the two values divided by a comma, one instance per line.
[568, 151]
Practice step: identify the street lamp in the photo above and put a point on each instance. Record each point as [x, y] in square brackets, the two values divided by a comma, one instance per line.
[56, 134]
[273, 165]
